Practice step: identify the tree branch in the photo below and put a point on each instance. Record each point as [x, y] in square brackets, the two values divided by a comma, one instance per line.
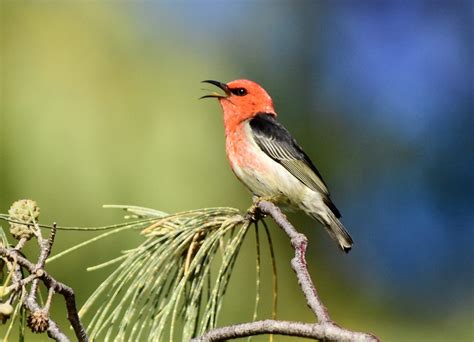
[318, 331]
[298, 263]
[326, 329]
[38, 273]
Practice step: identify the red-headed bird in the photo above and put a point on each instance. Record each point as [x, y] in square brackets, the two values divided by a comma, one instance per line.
[268, 160]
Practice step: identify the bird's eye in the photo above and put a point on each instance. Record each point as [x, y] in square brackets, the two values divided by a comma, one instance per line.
[239, 91]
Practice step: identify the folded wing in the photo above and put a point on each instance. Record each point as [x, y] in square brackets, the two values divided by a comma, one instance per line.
[275, 140]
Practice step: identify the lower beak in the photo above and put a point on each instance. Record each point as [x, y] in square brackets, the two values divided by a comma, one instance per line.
[221, 85]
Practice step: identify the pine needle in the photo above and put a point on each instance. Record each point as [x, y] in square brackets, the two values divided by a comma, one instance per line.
[163, 288]
[14, 316]
[274, 272]
[159, 285]
[257, 272]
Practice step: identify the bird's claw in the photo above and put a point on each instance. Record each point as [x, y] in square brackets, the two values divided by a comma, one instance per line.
[254, 213]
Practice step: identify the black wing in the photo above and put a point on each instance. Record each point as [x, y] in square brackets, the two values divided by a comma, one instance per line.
[275, 140]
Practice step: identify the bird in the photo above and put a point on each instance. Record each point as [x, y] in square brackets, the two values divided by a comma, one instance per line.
[266, 158]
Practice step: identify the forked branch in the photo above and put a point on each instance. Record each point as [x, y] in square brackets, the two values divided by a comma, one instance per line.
[39, 318]
[325, 329]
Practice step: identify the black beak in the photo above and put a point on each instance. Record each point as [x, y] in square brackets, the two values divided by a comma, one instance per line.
[221, 85]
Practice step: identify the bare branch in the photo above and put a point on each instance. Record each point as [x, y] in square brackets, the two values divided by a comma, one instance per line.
[298, 263]
[37, 274]
[53, 330]
[318, 331]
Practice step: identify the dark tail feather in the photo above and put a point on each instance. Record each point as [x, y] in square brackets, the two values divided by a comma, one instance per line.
[337, 231]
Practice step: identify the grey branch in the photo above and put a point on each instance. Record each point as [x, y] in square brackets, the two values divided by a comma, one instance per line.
[325, 329]
[38, 273]
[318, 331]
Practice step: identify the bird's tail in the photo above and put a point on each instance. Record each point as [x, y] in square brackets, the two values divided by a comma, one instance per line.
[336, 230]
[339, 233]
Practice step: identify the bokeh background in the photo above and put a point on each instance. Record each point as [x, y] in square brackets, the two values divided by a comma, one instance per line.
[99, 104]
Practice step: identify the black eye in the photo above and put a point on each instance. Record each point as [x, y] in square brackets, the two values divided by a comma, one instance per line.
[239, 91]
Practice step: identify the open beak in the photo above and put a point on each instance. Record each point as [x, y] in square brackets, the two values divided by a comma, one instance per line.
[221, 85]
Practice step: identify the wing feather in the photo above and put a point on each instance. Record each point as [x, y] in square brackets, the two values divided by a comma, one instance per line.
[275, 140]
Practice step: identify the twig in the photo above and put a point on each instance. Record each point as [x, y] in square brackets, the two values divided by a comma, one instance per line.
[326, 329]
[298, 263]
[37, 274]
[53, 330]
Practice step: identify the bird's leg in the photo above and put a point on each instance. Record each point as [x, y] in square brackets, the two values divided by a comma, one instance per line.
[254, 213]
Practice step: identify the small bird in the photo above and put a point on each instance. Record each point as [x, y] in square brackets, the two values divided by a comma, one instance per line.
[268, 160]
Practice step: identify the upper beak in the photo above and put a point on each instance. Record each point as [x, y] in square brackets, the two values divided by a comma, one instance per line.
[221, 85]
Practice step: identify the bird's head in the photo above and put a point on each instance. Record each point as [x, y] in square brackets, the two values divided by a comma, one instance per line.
[242, 100]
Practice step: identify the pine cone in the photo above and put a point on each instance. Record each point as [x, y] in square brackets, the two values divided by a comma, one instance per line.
[25, 211]
[38, 321]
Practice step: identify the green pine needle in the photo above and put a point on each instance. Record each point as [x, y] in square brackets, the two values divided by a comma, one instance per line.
[163, 288]
[157, 291]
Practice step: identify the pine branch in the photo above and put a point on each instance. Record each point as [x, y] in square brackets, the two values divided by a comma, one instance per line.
[51, 283]
[39, 319]
[325, 329]
[164, 279]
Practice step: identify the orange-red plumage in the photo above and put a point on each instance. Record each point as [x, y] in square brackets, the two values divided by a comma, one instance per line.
[240, 108]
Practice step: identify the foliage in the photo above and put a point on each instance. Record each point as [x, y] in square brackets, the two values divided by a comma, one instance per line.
[166, 285]
[166, 276]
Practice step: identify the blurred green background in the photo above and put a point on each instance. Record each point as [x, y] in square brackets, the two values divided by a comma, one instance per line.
[99, 105]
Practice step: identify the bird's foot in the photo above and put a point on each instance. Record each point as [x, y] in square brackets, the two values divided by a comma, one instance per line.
[254, 213]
